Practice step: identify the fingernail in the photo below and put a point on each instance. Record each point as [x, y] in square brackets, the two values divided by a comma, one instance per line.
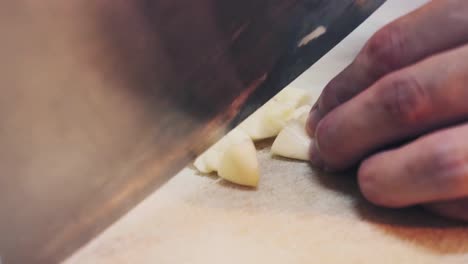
[312, 121]
[315, 157]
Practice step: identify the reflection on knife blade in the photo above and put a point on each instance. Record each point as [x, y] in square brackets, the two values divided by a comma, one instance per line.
[102, 101]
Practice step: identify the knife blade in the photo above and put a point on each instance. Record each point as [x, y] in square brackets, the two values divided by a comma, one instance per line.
[103, 101]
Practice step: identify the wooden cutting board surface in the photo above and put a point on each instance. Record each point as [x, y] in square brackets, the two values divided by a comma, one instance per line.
[297, 215]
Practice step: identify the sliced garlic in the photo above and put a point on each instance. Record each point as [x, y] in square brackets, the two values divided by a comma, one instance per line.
[209, 160]
[234, 157]
[201, 166]
[299, 97]
[256, 126]
[292, 142]
[239, 164]
[302, 113]
[268, 121]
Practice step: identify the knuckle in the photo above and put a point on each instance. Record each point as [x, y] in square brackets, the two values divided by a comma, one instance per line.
[385, 49]
[403, 99]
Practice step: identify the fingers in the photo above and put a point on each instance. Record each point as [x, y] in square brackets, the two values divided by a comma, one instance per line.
[403, 104]
[432, 168]
[437, 26]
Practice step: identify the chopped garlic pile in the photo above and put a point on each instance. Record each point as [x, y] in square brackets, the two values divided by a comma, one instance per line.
[234, 157]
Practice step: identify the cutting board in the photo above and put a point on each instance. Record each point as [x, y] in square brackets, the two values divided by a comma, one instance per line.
[297, 214]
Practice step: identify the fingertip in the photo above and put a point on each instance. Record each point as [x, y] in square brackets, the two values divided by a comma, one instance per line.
[312, 121]
[372, 187]
[315, 156]
[376, 184]
[368, 183]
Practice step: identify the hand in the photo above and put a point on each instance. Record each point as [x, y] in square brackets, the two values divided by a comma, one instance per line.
[408, 84]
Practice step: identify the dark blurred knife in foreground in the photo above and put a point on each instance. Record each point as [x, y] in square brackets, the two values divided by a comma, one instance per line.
[102, 101]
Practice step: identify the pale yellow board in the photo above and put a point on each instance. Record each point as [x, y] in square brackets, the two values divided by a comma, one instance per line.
[297, 215]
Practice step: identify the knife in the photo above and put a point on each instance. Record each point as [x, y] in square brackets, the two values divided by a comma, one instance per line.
[103, 101]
